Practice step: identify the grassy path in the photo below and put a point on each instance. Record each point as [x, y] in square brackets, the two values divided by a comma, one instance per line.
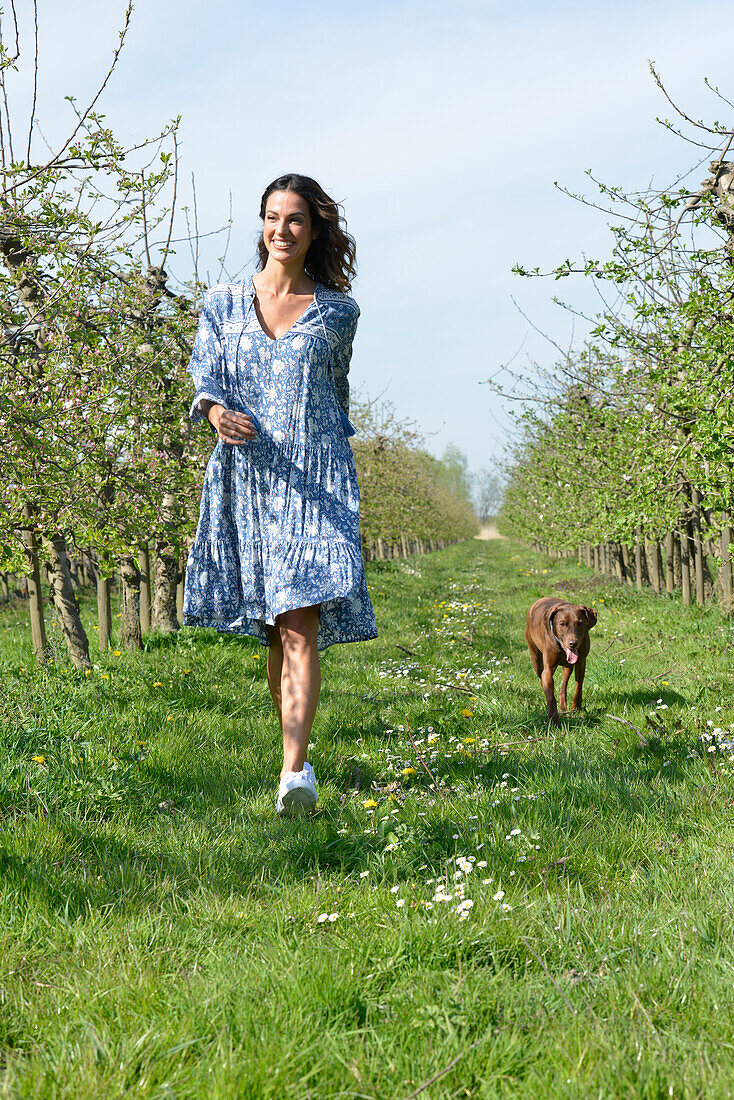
[553, 919]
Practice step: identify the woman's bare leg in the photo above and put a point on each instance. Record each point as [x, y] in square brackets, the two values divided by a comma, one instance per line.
[275, 670]
[294, 679]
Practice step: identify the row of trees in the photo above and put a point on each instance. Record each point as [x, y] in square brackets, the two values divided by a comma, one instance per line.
[100, 467]
[625, 450]
[411, 501]
[96, 449]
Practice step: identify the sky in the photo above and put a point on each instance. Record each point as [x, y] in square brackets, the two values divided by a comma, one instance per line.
[441, 127]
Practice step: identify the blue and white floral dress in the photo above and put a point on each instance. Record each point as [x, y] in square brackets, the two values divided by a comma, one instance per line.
[279, 521]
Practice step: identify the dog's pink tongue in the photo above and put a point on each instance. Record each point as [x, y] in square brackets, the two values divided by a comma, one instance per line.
[571, 657]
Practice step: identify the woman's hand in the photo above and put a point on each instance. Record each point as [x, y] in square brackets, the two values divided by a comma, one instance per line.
[231, 427]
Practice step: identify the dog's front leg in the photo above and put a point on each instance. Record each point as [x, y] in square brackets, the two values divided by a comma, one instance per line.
[546, 681]
[562, 705]
[580, 671]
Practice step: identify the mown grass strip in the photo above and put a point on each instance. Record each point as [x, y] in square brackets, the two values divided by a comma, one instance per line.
[543, 911]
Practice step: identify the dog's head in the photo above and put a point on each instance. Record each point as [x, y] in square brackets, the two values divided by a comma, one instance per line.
[570, 624]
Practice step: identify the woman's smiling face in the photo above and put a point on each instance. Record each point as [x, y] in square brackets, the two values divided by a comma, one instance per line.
[287, 228]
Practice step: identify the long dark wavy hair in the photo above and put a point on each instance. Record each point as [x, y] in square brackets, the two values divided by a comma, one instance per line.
[331, 259]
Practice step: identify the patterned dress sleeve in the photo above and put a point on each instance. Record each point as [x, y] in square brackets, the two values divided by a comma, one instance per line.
[207, 361]
[341, 356]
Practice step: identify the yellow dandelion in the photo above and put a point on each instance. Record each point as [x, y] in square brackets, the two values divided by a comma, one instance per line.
[665, 683]
[169, 718]
[87, 672]
[408, 771]
[140, 744]
[104, 676]
[467, 713]
[256, 656]
[157, 684]
[39, 758]
[115, 653]
[469, 740]
[432, 740]
[369, 803]
[186, 671]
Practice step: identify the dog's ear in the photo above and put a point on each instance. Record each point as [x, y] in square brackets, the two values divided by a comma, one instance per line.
[550, 612]
[590, 616]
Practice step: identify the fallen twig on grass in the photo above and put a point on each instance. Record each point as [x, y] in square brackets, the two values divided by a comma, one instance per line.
[417, 753]
[616, 639]
[527, 741]
[456, 687]
[639, 1002]
[632, 647]
[555, 983]
[556, 863]
[404, 650]
[623, 721]
[442, 1072]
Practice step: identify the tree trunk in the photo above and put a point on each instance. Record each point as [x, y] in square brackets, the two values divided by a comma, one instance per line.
[4, 587]
[61, 593]
[698, 547]
[670, 563]
[104, 610]
[180, 591]
[130, 583]
[638, 562]
[677, 567]
[653, 563]
[165, 568]
[726, 570]
[35, 598]
[657, 550]
[708, 582]
[144, 558]
[685, 563]
[89, 573]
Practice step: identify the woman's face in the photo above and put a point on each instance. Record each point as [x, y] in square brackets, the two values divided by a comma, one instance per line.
[287, 229]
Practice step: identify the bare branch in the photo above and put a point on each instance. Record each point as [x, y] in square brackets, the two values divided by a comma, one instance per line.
[173, 201]
[57, 159]
[143, 208]
[35, 81]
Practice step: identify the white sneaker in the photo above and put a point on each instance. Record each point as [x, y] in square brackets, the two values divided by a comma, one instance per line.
[297, 792]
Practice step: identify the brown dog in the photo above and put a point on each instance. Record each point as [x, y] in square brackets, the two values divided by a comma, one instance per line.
[557, 633]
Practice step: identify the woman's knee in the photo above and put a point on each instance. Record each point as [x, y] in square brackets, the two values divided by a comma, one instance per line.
[299, 628]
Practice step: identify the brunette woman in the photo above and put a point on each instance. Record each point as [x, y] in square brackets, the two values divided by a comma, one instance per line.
[277, 552]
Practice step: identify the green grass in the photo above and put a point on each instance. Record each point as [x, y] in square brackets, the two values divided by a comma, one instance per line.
[160, 926]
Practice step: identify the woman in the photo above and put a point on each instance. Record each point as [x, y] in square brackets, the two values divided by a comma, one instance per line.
[277, 552]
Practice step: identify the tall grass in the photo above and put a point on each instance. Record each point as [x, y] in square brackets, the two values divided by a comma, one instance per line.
[165, 935]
